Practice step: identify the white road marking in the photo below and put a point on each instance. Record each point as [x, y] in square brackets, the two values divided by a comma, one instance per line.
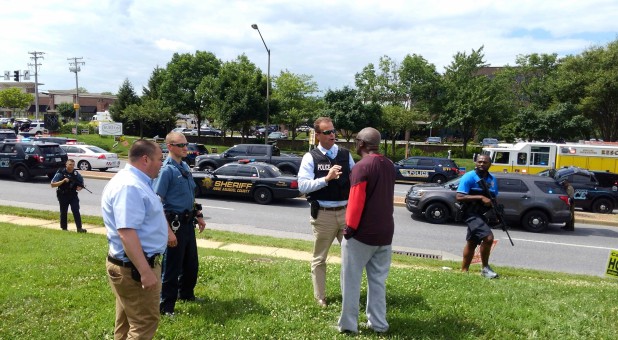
[561, 244]
[213, 207]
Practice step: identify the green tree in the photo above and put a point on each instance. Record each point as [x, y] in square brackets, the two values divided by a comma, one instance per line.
[237, 94]
[293, 95]
[153, 91]
[149, 113]
[471, 98]
[381, 86]
[396, 118]
[126, 96]
[590, 80]
[15, 99]
[349, 113]
[183, 75]
[66, 111]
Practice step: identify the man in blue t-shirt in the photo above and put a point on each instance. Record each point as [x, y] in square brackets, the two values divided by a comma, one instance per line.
[476, 204]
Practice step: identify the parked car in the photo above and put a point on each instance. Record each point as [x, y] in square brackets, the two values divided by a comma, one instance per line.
[261, 181]
[434, 140]
[7, 134]
[303, 128]
[489, 141]
[426, 169]
[277, 135]
[34, 128]
[88, 157]
[210, 131]
[259, 131]
[23, 160]
[589, 194]
[194, 150]
[533, 202]
[57, 140]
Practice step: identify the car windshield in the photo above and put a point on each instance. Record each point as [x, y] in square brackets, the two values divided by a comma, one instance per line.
[50, 149]
[96, 149]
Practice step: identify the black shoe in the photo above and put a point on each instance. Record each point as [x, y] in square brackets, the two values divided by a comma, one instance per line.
[81, 230]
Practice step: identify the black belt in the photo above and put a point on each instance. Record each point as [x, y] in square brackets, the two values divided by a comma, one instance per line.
[128, 264]
[334, 209]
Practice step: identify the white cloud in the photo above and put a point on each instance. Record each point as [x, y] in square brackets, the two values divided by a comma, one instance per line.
[330, 40]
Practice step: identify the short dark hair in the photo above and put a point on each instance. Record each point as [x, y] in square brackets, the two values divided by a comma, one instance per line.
[142, 147]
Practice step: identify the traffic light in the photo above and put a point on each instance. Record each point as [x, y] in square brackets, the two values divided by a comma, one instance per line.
[16, 75]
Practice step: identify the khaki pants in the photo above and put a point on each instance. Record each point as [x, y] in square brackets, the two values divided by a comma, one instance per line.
[137, 310]
[328, 226]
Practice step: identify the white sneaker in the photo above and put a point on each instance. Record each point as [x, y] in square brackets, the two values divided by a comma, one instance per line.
[487, 272]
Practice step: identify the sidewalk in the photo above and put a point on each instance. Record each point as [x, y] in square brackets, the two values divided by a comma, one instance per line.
[580, 216]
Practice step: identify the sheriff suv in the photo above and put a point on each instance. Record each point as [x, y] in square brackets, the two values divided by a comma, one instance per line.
[23, 160]
[533, 202]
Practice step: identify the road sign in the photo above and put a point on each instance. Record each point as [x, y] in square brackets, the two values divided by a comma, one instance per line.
[76, 106]
[612, 264]
[7, 75]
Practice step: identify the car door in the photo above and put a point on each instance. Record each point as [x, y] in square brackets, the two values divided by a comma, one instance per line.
[407, 169]
[515, 196]
[224, 179]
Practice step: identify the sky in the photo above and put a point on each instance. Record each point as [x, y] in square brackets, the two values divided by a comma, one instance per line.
[330, 41]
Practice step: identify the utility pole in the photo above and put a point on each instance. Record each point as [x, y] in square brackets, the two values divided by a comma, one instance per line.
[75, 67]
[36, 56]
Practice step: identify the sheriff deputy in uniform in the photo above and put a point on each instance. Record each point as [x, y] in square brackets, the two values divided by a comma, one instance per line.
[67, 183]
[324, 177]
[176, 188]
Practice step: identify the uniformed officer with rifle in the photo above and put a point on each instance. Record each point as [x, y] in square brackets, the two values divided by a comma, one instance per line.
[67, 183]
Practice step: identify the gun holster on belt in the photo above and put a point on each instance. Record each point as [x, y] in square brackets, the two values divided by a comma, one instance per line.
[315, 208]
[177, 219]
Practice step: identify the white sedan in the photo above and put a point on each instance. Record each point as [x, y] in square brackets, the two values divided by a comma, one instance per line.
[88, 157]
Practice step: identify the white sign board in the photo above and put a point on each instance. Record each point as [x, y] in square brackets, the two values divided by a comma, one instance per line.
[110, 129]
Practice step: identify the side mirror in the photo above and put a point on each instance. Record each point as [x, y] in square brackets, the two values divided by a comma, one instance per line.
[225, 155]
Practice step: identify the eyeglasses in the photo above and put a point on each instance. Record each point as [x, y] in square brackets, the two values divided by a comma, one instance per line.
[328, 132]
[180, 145]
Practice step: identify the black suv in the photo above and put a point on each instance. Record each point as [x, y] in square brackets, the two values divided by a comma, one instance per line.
[530, 201]
[589, 194]
[7, 134]
[23, 160]
[426, 169]
[607, 179]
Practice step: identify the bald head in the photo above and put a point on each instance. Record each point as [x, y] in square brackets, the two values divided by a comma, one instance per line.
[370, 136]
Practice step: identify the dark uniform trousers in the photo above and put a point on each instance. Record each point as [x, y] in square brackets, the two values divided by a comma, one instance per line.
[179, 267]
[66, 200]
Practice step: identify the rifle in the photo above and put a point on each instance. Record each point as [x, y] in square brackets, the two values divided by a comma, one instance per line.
[75, 183]
[494, 206]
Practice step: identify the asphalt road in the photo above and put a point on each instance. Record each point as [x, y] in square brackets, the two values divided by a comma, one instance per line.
[585, 251]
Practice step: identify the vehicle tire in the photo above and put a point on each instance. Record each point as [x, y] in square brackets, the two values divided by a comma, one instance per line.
[38, 133]
[84, 166]
[602, 206]
[21, 174]
[204, 167]
[437, 213]
[103, 169]
[438, 179]
[535, 221]
[263, 195]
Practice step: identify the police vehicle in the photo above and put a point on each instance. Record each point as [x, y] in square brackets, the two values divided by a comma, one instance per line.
[23, 160]
[426, 169]
[261, 181]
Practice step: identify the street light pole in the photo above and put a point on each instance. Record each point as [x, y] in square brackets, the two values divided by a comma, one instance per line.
[75, 68]
[267, 127]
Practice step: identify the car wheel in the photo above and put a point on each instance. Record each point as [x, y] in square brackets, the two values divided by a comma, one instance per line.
[287, 171]
[103, 169]
[38, 133]
[84, 166]
[602, 206]
[204, 167]
[263, 195]
[438, 179]
[535, 221]
[437, 213]
[21, 174]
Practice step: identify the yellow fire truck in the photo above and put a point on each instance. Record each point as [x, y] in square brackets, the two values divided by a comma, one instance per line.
[533, 157]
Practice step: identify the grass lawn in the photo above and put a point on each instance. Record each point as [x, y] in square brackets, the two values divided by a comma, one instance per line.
[54, 286]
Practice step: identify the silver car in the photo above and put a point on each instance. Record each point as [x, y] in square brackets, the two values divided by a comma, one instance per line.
[532, 202]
